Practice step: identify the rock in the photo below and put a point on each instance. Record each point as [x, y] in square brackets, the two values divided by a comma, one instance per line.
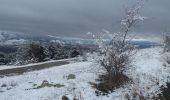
[65, 98]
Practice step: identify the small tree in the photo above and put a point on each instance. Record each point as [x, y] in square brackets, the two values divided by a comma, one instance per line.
[37, 52]
[166, 42]
[117, 51]
[74, 53]
[2, 59]
[56, 50]
[30, 53]
[23, 55]
[10, 58]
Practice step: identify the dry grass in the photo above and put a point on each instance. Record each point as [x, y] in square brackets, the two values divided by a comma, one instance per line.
[109, 83]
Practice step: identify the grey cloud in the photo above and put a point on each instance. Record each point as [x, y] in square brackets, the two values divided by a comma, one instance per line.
[76, 17]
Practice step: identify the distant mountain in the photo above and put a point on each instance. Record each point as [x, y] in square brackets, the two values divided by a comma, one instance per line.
[73, 41]
[138, 43]
[16, 38]
[10, 38]
[144, 44]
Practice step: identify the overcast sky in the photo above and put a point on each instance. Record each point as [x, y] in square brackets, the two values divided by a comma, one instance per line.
[77, 17]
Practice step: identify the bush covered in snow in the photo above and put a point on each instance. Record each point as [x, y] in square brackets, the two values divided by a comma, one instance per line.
[115, 55]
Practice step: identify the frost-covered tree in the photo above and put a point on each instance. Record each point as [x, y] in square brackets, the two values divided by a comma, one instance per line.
[7, 59]
[132, 17]
[30, 53]
[23, 54]
[10, 58]
[56, 50]
[37, 52]
[2, 58]
[116, 51]
[166, 41]
[116, 54]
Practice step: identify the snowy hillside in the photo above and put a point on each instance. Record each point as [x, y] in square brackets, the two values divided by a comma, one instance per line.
[73, 80]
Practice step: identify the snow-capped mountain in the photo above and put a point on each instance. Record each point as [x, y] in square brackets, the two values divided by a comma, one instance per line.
[16, 38]
[10, 38]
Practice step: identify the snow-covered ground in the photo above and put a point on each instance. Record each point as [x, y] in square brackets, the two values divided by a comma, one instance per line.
[147, 74]
[150, 74]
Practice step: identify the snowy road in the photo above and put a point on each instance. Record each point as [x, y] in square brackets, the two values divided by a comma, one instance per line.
[28, 68]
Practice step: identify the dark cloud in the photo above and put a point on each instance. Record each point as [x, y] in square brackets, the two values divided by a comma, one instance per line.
[76, 17]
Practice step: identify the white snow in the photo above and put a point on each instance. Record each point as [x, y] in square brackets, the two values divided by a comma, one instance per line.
[150, 74]
[82, 70]
[148, 61]
[15, 42]
[148, 70]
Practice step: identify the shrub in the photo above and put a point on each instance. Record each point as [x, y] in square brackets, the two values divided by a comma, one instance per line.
[166, 43]
[117, 51]
[109, 82]
[2, 59]
[71, 76]
[74, 53]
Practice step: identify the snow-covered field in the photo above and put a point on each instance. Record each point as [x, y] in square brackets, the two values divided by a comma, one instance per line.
[148, 76]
